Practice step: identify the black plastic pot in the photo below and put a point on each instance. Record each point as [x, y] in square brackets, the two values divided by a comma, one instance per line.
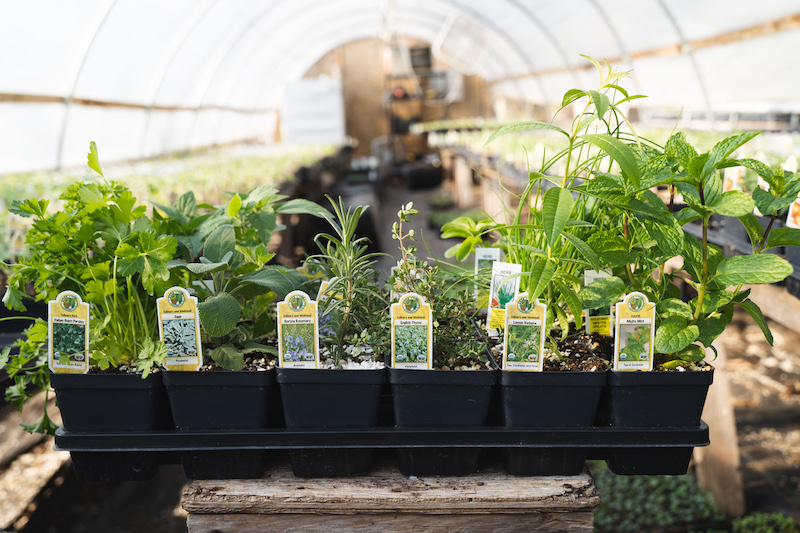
[440, 398]
[220, 401]
[549, 399]
[322, 398]
[109, 403]
[654, 399]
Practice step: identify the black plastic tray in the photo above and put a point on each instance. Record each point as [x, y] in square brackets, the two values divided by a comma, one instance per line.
[383, 437]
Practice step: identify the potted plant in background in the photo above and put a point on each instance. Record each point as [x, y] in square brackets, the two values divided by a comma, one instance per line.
[345, 391]
[458, 391]
[101, 245]
[236, 287]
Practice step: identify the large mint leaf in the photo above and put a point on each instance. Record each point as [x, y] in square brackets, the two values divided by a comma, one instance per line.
[733, 204]
[556, 207]
[768, 203]
[755, 312]
[752, 269]
[724, 148]
[673, 335]
[219, 314]
[783, 237]
[673, 307]
[680, 149]
[602, 292]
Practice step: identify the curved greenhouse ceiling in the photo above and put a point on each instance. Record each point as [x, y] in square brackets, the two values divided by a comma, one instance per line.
[144, 77]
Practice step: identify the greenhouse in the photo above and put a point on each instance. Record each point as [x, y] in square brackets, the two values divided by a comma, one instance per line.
[399, 265]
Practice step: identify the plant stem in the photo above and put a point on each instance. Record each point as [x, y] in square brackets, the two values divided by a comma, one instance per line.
[701, 291]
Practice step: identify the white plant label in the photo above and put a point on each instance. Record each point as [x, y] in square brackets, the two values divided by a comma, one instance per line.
[484, 259]
[634, 333]
[68, 331]
[179, 329]
[298, 331]
[412, 333]
[523, 343]
[503, 289]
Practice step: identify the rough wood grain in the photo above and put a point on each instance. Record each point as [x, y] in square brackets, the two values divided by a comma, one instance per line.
[387, 491]
[718, 465]
[540, 522]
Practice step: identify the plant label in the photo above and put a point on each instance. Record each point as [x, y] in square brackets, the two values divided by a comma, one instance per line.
[484, 259]
[596, 321]
[312, 269]
[179, 329]
[523, 344]
[412, 333]
[793, 216]
[68, 328]
[298, 331]
[326, 291]
[633, 333]
[732, 179]
[503, 289]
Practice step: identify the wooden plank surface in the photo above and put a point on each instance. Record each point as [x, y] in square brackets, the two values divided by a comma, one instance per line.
[387, 491]
[392, 522]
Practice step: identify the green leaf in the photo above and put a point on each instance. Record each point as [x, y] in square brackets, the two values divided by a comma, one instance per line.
[219, 314]
[601, 103]
[234, 205]
[673, 335]
[572, 300]
[280, 280]
[724, 148]
[602, 292]
[669, 237]
[692, 353]
[220, 242]
[149, 259]
[768, 203]
[572, 95]
[203, 268]
[710, 329]
[681, 150]
[264, 223]
[556, 207]
[755, 312]
[541, 273]
[255, 347]
[29, 208]
[752, 269]
[93, 160]
[584, 249]
[783, 237]
[299, 206]
[753, 227]
[228, 357]
[619, 152]
[733, 204]
[713, 300]
[672, 307]
[92, 197]
[44, 425]
[523, 126]
[612, 248]
[758, 167]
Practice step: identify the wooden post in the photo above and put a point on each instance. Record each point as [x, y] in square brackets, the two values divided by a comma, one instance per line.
[718, 465]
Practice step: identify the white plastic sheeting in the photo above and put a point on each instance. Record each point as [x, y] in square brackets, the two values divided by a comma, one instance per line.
[145, 77]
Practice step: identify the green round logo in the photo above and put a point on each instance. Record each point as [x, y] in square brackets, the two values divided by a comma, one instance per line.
[636, 303]
[176, 298]
[297, 303]
[524, 305]
[411, 304]
[69, 303]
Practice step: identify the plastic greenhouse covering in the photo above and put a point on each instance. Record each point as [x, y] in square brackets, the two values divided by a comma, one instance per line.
[153, 76]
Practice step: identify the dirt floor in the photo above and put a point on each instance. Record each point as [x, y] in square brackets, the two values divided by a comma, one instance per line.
[765, 382]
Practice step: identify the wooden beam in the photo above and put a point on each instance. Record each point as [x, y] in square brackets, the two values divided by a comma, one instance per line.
[787, 23]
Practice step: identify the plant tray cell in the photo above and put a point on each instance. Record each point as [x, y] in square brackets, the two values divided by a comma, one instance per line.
[331, 463]
[224, 464]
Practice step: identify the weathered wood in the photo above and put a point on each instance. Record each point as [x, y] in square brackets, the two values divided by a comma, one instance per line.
[718, 465]
[391, 522]
[463, 185]
[387, 491]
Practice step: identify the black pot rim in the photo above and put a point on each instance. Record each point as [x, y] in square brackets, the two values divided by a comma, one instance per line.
[219, 378]
[660, 379]
[105, 381]
[510, 378]
[291, 376]
[405, 376]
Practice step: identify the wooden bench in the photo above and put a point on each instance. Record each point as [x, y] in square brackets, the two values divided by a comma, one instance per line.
[388, 501]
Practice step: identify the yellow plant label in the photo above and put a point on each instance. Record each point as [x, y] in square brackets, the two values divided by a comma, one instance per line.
[484, 259]
[412, 333]
[523, 343]
[179, 330]
[68, 329]
[634, 333]
[298, 332]
[504, 287]
[597, 320]
[599, 324]
[312, 269]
